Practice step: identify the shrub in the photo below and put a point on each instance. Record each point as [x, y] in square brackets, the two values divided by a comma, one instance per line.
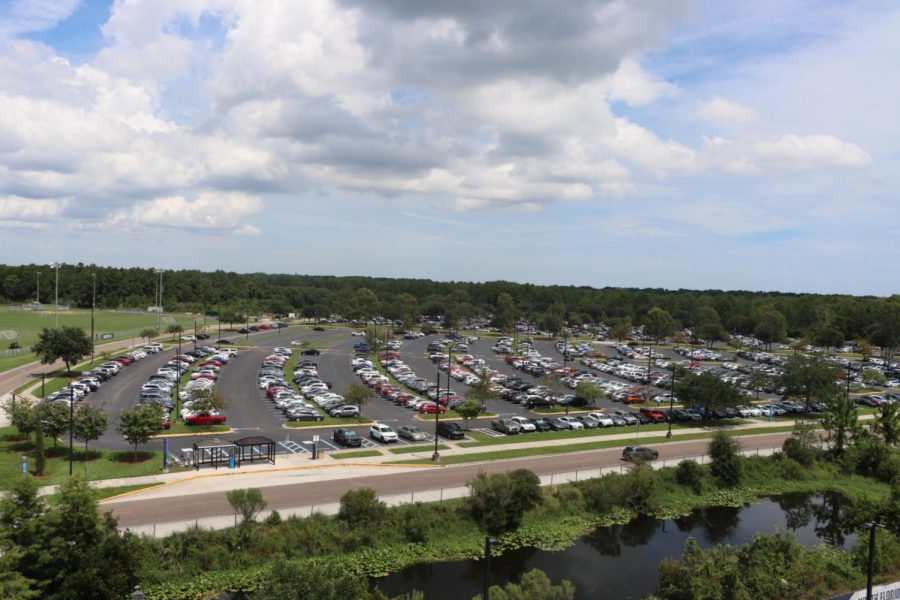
[799, 452]
[871, 457]
[534, 585]
[792, 470]
[725, 462]
[640, 489]
[498, 502]
[361, 508]
[604, 493]
[690, 475]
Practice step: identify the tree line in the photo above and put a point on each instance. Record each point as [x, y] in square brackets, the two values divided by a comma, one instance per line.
[827, 319]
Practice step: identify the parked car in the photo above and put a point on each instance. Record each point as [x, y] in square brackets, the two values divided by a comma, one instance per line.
[450, 430]
[412, 433]
[311, 352]
[507, 426]
[382, 433]
[346, 437]
[639, 453]
[204, 419]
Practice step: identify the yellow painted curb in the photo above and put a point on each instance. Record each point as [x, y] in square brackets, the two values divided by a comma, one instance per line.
[176, 435]
[124, 494]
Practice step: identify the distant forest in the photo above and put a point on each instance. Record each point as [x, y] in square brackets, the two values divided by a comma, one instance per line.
[826, 319]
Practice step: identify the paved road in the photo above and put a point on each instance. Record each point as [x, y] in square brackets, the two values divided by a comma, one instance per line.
[134, 513]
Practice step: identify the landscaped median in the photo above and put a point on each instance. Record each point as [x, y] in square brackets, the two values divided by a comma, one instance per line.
[567, 448]
[355, 454]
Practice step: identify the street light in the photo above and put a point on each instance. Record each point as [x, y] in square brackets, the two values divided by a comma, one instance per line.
[71, 431]
[93, 305]
[159, 293]
[488, 541]
[436, 455]
[871, 572]
[38, 294]
[56, 266]
[672, 399]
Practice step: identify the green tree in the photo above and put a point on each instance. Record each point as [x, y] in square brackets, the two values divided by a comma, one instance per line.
[658, 324]
[148, 333]
[137, 425]
[366, 304]
[551, 323]
[373, 340]
[361, 508]
[771, 326]
[840, 422]
[865, 348]
[887, 423]
[470, 409]
[174, 329]
[246, 502]
[873, 377]
[708, 326]
[808, 377]
[803, 445]
[499, 502]
[231, 317]
[621, 329]
[725, 459]
[69, 344]
[504, 312]
[21, 539]
[206, 400]
[759, 381]
[481, 391]
[90, 424]
[589, 390]
[40, 459]
[406, 308]
[534, 585]
[21, 414]
[54, 418]
[707, 391]
[104, 563]
[359, 395]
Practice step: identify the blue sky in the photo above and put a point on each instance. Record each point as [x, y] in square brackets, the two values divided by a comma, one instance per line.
[679, 144]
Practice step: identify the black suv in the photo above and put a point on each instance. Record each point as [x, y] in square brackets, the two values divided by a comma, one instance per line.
[347, 437]
[450, 430]
[639, 453]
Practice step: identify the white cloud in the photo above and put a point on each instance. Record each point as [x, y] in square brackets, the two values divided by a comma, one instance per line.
[810, 151]
[21, 16]
[723, 111]
[633, 85]
[210, 211]
[15, 208]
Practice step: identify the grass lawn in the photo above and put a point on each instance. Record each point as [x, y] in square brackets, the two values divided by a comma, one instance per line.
[452, 414]
[28, 324]
[180, 427]
[330, 422]
[95, 464]
[417, 448]
[107, 492]
[356, 454]
[596, 445]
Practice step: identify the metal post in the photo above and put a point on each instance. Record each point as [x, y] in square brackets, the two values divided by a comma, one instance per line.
[38, 295]
[178, 381]
[56, 266]
[487, 567]
[871, 570]
[43, 377]
[671, 401]
[436, 455]
[93, 304]
[165, 455]
[71, 431]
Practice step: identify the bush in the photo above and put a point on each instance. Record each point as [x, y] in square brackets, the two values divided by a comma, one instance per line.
[604, 493]
[871, 457]
[725, 462]
[535, 585]
[361, 508]
[289, 580]
[690, 475]
[640, 489]
[499, 502]
[792, 470]
[799, 452]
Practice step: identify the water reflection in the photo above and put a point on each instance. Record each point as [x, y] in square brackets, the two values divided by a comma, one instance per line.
[620, 561]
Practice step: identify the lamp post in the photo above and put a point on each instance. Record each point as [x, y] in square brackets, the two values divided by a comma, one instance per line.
[436, 455]
[488, 541]
[71, 431]
[56, 266]
[38, 294]
[871, 570]
[93, 305]
[672, 400]
[159, 273]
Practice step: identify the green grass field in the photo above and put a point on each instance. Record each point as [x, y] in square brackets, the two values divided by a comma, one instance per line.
[28, 324]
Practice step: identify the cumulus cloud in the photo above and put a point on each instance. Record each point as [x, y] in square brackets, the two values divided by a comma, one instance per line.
[633, 85]
[15, 208]
[784, 153]
[210, 211]
[723, 111]
[25, 16]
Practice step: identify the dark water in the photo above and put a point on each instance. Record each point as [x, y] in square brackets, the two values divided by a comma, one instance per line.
[621, 562]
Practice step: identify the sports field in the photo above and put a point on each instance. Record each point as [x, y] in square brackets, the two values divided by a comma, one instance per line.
[28, 324]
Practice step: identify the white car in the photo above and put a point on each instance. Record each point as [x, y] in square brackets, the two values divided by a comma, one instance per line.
[382, 433]
[525, 424]
[573, 422]
[604, 420]
[357, 333]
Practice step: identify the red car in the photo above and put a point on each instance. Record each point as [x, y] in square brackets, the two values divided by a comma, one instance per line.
[274, 390]
[653, 415]
[430, 409]
[204, 419]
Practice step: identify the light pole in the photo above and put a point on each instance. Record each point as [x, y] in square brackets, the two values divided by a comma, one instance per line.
[38, 294]
[56, 266]
[436, 455]
[159, 292]
[93, 305]
[871, 570]
[488, 541]
[71, 431]
[672, 399]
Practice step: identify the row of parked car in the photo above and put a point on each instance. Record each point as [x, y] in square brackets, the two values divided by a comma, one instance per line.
[438, 399]
[94, 378]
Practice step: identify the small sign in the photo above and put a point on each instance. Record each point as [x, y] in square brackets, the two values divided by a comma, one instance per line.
[887, 591]
[106, 336]
[315, 439]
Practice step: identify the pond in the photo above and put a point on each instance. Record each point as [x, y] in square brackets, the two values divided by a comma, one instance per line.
[621, 561]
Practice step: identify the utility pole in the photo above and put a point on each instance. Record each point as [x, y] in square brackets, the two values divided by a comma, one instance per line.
[159, 273]
[56, 266]
[93, 305]
[38, 295]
